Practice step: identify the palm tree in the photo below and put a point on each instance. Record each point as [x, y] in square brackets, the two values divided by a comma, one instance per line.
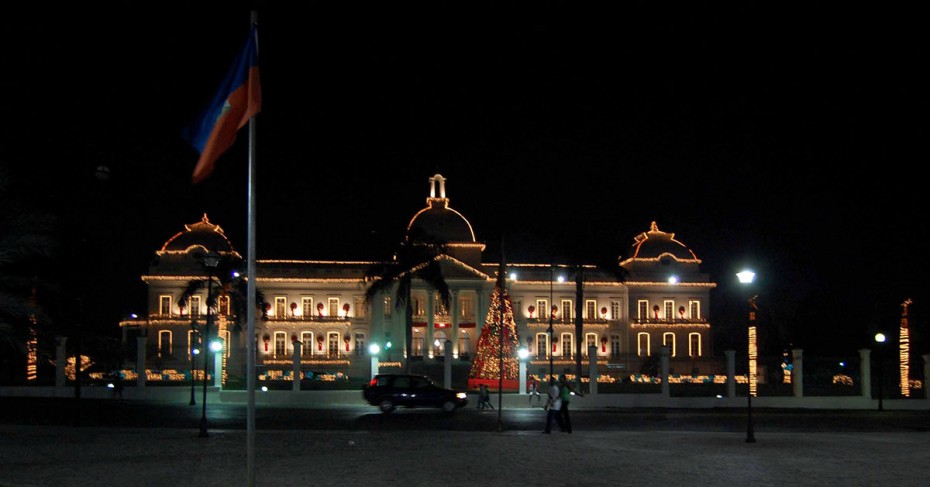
[415, 259]
[26, 237]
[228, 282]
[613, 271]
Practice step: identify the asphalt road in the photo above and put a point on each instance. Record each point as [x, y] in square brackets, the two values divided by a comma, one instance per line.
[106, 413]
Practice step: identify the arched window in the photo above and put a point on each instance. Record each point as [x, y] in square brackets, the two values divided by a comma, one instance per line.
[642, 344]
[668, 340]
[694, 344]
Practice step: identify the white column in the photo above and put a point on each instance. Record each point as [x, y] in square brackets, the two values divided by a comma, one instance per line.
[61, 360]
[731, 372]
[218, 369]
[295, 365]
[797, 372]
[523, 376]
[430, 324]
[865, 372]
[592, 370]
[447, 364]
[663, 354]
[140, 361]
[374, 365]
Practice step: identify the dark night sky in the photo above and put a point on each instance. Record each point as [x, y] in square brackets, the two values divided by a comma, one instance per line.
[780, 137]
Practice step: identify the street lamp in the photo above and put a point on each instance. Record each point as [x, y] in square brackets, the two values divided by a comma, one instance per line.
[549, 345]
[879, 340]
[193, 351]
[746, 277]
[210, 261]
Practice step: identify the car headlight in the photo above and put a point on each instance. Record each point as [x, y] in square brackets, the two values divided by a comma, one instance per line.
[460, 395]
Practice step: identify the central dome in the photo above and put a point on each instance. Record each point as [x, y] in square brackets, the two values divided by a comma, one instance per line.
[437, 221]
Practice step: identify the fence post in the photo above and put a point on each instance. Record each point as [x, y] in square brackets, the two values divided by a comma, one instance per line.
[797, 372]
[731, 372]
[865, 372]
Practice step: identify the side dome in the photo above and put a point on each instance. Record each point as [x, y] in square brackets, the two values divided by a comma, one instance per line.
[437, 221]
[201, 234]
[655, 244]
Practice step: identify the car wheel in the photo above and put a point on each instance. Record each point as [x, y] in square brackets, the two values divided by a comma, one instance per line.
[448, 406]
[386, 405]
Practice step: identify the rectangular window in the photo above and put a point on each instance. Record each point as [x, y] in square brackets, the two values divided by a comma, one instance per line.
[306, 307]
[695, 307]
[669, 310]
[694, 344]
[164, 343]
[280, 344]
[360, 307]
[306, 349]
[438, 306]
[567, 312]
[642, 309]
[668, 341]
[590, 341]
[542, 309]
[360, 344]
[465, 307]
[280, 307]
[642, 344]
[164, 305]
[590, 309]
[192, 342]
[387, 307]
[615, 307]
[614, 346]
[417, 306]
[333, 307]
[518, 308]
[464, 347]
[224, 305]
[195, 305]
[567, 344]
[542, 345]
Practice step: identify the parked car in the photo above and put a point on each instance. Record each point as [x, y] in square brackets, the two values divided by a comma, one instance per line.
[390, 391]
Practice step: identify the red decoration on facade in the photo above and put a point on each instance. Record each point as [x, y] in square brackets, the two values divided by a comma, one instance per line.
[346, 307]
[346, 339]
[603, 344]
[293, 307]
[531, 309]
[555, 343]
[655, 311]
[604, 312]
[319, 310]
[266, 338]
[319, 342]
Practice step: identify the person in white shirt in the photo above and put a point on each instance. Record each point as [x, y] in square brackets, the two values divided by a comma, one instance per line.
[553, 406]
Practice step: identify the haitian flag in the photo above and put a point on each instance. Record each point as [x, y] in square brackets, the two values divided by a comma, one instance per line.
[238, 99]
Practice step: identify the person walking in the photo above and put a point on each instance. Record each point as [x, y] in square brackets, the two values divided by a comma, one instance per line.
[566, 390]
[553, 406]
[484, 397]
[534, 392]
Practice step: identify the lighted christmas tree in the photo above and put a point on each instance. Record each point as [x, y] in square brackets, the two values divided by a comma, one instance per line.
[486, 367]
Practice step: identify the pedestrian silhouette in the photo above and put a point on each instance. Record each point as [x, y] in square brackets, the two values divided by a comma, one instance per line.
[534, 392]
[484, 397]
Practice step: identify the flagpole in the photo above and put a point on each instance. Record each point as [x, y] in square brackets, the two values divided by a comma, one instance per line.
[252, 290]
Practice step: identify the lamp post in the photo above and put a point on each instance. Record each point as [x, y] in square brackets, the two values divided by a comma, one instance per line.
[549, 345]
[746, 277]
[210, 261]
[193, 351]
[879, 340]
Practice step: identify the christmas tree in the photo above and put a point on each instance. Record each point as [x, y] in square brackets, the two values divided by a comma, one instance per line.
[486, 367]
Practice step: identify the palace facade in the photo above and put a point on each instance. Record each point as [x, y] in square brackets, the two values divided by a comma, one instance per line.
[318, 309]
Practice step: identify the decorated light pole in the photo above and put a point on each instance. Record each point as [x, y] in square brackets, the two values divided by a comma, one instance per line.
[746, 277]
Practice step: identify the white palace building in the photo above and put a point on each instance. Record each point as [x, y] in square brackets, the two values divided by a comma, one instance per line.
[319, 307]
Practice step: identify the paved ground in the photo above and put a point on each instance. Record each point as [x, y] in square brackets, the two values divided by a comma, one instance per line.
[66, 456]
